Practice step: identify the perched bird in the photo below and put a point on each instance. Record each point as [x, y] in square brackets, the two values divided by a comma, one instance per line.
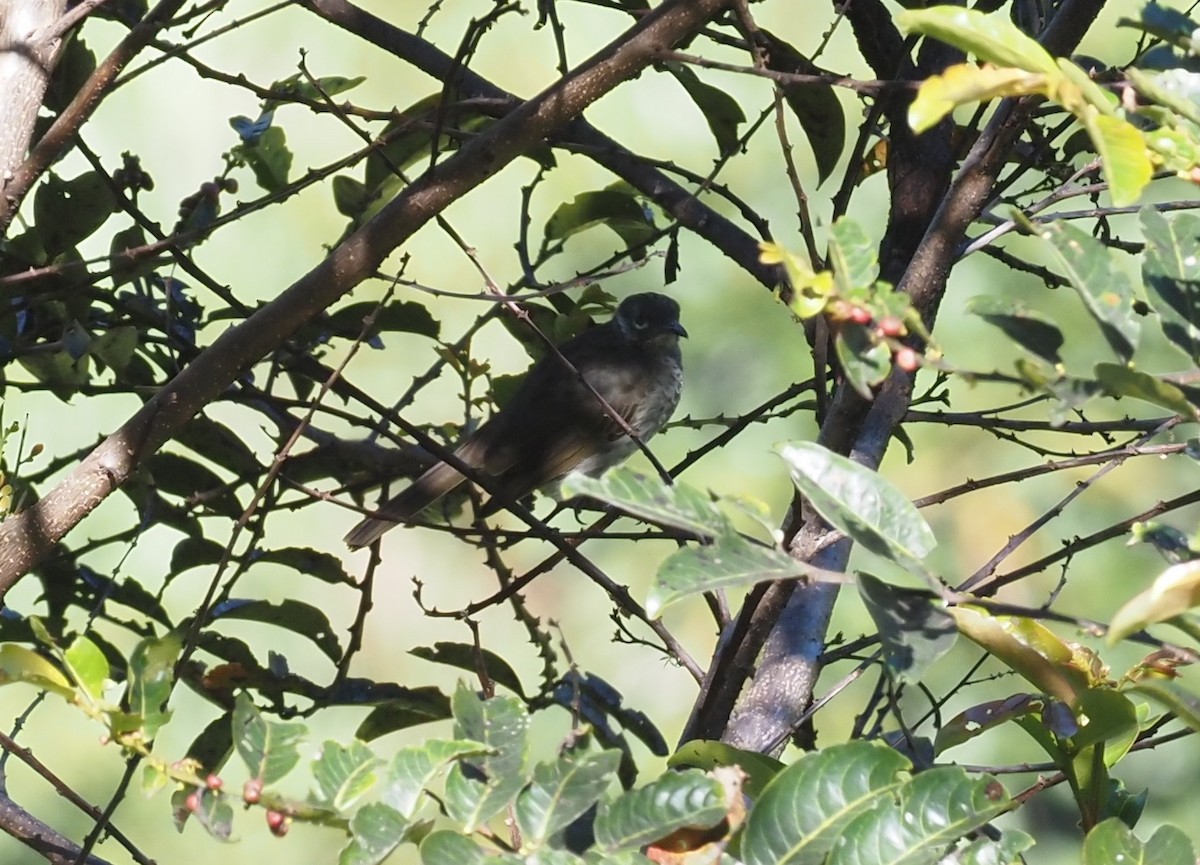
[553, 423]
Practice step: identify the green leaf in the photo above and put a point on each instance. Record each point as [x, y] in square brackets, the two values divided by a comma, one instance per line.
[194, 552]
[67, 212]
[721, 111]
[269, 748]
[300, 87]
[453, 848]
[151, 678]
[87, 666]
[677, 799]
[115, 346]
[985, 851]
[344, 774]
[972, 722]
[561, 790]
[1105, 289]
[488, 784]
[19, 664]
[350, 196]
[646, 497]
[465, 656]
[729, 561]
[1033, 331]
[940, 94]
[421, 706]
[1120, 380]
[854, 258]
[177, 475]
[804, 811]
[413, 768]
[991, 37]
[1171, 271]
[706, 755]
[928, 812]
[615, 207]
[816, 106]
[859, 502]
[1030, 649]
[1113, 842]
[215, 814]
[397, 317]
[1122, 149]
[375, 832]
[291, 615]
[1175, 591]
[914, 630]
[1184, 704]
[269, 158]
[865, 359]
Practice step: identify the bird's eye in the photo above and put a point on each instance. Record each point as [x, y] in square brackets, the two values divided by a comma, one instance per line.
[640, 324]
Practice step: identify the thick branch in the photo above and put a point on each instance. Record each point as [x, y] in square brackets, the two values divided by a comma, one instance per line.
[578, 135]
[24, 539]
[54, 143]
[26, 60]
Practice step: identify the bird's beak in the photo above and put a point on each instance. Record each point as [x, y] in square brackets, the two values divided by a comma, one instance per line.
[677, 329]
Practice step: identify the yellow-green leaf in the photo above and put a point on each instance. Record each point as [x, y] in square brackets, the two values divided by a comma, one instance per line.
[991, 37]
[967, 82]
[1122, 149]
[1175, 591]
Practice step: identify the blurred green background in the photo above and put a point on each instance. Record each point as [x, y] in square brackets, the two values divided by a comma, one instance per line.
[744, 348]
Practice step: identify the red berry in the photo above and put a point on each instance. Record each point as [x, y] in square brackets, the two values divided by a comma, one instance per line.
[907, 359]
[860, 315]
[891, 326]
[278, 823]
[252, 791]
[214, 782]
[193, 802]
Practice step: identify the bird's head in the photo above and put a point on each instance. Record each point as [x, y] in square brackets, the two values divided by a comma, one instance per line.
[650, 318]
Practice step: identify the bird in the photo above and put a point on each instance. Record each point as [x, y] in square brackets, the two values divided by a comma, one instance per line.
[554, 424]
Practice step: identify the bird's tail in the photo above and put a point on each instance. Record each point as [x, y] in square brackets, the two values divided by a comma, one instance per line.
[423, 492]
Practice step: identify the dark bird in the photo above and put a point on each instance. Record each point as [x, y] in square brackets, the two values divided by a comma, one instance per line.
[553, 424]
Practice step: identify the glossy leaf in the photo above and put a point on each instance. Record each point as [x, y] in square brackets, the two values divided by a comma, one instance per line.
[647, 497]
[707, 755]
[453, 848]
[940, 94]
[561, 790]
[1113, 842]
[928, 812]
[1122, 148]
[269, 748]
[87, 666]
[728, 561]
[992, 37]
[1184, 703]
[853, 257]
[807, 292]
[19, 664]
[915, 630]
[1102, 285]
[677, 799]
[804, 811]
[1175, 591]
[859, 502]
[1029, 648]
[865, 360]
